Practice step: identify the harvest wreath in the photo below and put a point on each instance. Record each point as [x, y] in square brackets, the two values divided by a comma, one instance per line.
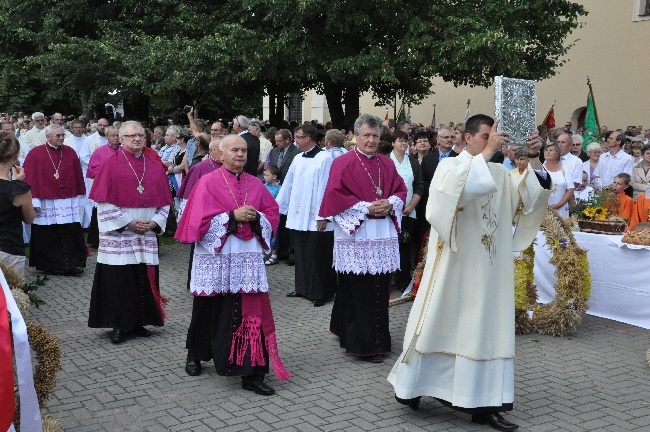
[572, 290]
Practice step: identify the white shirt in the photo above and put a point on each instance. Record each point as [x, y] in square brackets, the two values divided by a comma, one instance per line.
[405, 170]
[265, 148]
[572, 167]
[610, 166]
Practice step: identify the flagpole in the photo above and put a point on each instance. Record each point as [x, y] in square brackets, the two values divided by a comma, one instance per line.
[433, 119]
[591, 92]
[395, 108]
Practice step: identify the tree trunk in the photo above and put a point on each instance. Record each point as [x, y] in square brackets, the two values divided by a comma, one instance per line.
[85, 107]
[279, 107]
[272, 118]
[333, 94]
[351, 96]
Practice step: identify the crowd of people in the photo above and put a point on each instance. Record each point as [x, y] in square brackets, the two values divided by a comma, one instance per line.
[620, 164]
[348, 208]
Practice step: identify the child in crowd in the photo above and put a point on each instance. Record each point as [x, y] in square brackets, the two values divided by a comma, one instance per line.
[621, 182]
[273, 185]
[583, 190]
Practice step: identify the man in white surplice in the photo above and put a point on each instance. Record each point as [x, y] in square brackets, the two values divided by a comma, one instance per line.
[313, 237]
[459, 344]
[76, 140]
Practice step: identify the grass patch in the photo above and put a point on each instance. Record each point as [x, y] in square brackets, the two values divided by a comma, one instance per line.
[164, 241]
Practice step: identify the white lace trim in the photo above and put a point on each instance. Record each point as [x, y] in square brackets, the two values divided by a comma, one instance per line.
[267, 232]
[57, 211]
[351, 218]
[398, 208]
[181, 208]
[228, 273]
[366, 256]
[213, 239]
[127, 248]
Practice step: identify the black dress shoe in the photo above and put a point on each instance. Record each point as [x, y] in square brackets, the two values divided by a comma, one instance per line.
[73, 272]
[117, 336]
[192, 368]
[291, 262]
[293, 294]
[414, 403]
[141, 332]
[377, 358]
[319, 303]
[496, 421]
[258, 387]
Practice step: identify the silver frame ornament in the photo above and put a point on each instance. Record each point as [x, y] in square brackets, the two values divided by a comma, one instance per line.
[514, 106]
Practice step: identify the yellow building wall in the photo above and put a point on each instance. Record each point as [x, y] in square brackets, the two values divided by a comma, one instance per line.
[610, 48]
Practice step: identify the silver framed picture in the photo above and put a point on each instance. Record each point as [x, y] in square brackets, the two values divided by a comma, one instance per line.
[514, 106]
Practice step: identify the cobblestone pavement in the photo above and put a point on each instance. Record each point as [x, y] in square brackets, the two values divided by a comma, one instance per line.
[595, 380]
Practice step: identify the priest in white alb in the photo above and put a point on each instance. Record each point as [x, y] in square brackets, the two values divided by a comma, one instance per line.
[459, 344]
[313, 236]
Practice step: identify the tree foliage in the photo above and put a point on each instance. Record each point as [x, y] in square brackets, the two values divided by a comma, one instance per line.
[225, 55]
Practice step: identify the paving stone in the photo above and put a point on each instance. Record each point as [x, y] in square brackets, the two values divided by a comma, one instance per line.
[595, 379]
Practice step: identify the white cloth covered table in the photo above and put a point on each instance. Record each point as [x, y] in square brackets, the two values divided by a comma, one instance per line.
[620, 278]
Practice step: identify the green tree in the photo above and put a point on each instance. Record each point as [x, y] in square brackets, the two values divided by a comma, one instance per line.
[225, 55]
[390, 47]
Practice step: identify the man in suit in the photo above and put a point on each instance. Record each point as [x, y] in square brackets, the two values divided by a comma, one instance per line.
[446, 139]
[284, 152]
[240, 127]
[282, 157]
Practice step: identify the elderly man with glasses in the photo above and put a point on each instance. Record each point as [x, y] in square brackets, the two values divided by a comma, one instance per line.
[56, 119]
[32, 137]
[133, 201]
[53, 171]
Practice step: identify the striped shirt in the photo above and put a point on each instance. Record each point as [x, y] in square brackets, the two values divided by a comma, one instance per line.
[610, 166]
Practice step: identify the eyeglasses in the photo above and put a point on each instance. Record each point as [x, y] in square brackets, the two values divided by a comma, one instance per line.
[300, 137]
[132, 136]
[59, 135]
[448, 137]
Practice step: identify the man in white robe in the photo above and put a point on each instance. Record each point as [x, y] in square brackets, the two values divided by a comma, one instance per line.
[32, 138]
[93, 141]
[90, 144]
[76, 140]
[313, 237]
[459, 344]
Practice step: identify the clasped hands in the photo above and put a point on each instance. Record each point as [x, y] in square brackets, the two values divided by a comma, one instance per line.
[380, 208]
[141, 227]
[245, 213]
